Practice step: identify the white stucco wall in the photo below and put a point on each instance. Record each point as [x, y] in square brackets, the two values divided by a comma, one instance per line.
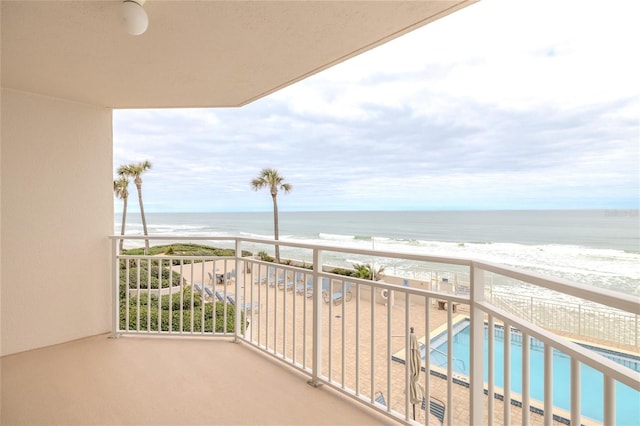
[57, 211]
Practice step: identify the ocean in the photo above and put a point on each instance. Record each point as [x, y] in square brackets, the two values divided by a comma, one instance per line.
[591, 247]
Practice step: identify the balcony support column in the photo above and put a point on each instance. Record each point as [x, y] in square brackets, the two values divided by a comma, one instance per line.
[476, 400]
[316, 356]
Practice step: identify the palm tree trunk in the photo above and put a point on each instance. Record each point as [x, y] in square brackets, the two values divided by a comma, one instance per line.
[275, 226]
[124, 219]
[144, 220]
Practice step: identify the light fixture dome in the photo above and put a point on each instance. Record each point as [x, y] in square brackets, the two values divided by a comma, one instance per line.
[133, 17]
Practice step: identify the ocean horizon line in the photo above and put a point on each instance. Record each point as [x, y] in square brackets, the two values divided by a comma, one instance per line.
[612, 210]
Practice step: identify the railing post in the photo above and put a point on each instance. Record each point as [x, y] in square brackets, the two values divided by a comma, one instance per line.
[115, 279]
[316, 356]
[548, 385]
[238, 312]
[575, 392]
[476, 400]
[609, 401]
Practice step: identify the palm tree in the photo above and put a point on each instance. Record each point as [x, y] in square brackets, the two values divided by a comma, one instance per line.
[368, 272]
[270, 178]
[121, 188]
[135, 171]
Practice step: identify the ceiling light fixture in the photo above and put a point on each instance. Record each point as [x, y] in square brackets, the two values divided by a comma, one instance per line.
[133, 16]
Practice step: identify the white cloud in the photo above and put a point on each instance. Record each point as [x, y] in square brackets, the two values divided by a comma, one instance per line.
[505, 104]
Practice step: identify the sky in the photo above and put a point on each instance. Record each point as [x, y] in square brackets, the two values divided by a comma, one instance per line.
[506, 104]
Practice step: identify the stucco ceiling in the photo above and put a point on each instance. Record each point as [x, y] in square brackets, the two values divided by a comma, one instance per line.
[195, 53]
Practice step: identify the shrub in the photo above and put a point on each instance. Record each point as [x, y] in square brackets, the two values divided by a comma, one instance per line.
[367, 272]
[147, 275]
[186, 294]
[264, 256]
[343, 271]
[150, 311]
[360, 271]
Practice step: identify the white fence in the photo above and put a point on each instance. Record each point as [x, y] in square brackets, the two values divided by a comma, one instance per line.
[609, 325]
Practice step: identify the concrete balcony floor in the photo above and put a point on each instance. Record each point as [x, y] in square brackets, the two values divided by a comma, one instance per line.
[138, 380]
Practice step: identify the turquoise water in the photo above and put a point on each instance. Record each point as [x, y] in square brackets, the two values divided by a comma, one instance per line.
[627, 399]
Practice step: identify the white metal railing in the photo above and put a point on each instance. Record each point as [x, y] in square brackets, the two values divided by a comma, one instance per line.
[351, 334]
[604, 324]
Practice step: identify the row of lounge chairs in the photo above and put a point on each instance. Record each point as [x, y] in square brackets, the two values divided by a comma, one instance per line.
[226, 298]
[327, 294]
[231, 298]
[297, 283]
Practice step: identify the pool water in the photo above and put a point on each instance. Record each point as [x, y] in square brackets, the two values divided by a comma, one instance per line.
[627, 399]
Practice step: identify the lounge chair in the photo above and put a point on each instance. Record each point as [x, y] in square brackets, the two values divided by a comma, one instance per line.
[326, 287]
[337, 296]
[379, 398]
[436, 407]
[255, 279]
[209, 292]
[212, 280]
[249, 306]
[271, 271]
[197, 288]
[273, 281]
[289, 284]
[222, 297]
[306, 288]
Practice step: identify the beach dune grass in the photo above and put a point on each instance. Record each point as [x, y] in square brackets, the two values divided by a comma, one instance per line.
[185, 249]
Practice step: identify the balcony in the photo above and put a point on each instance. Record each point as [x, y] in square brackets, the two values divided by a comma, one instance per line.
[288, 330]
[136, 380]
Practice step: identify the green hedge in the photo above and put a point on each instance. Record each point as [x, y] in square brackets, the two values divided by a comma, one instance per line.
[149, 309]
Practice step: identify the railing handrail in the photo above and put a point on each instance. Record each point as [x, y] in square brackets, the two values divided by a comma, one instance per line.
[602, 296]
[554, 303]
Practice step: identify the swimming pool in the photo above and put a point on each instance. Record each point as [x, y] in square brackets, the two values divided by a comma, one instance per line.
[627, 399]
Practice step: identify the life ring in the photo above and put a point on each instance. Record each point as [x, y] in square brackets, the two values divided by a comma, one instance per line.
[384, 293]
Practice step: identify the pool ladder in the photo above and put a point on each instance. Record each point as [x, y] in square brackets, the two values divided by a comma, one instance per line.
[464, 366]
